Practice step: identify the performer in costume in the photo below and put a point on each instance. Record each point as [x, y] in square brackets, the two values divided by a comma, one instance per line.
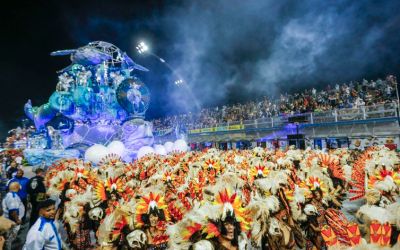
[226, 226]
[229, 229]
[152, 216]
[81, 238]
[317, 222]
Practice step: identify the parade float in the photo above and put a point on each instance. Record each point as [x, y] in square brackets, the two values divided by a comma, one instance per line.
[98, 104]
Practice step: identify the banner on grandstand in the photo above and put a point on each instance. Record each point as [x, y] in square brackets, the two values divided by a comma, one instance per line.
[162, 132]
[217, 129]
[194, 131]
[236, 127]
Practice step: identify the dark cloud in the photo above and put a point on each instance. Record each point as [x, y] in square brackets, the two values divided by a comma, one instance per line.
[247, 48]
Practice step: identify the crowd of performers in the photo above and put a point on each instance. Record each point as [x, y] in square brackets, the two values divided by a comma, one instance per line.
[249, 199]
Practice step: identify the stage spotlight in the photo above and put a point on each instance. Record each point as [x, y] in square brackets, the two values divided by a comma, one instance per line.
[178, 82]
[142, 48]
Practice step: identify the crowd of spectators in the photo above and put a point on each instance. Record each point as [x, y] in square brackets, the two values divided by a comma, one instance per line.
[347, 95]
[20, 200]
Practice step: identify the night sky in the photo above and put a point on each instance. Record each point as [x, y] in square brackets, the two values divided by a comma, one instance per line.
[227, 51]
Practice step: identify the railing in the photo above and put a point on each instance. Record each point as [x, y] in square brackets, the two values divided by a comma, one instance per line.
[388, 110]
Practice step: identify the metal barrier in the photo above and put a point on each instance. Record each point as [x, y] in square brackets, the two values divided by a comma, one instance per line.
[388, 110]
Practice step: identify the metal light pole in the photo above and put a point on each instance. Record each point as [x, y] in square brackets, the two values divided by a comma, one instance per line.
[142, 48]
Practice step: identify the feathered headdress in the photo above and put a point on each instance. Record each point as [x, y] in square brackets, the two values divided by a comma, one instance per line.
[258, 172]
[314, 183]
[328, 160]
[110, 185]
[231, 205]
[384, 180]
[212, 165]
[111, 160]
[168, 177]
[148, 203]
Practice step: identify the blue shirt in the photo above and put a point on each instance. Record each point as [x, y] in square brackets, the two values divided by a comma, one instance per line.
[23, 182]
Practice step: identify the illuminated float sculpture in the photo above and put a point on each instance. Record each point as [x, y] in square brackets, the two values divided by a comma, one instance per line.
[97, 100]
